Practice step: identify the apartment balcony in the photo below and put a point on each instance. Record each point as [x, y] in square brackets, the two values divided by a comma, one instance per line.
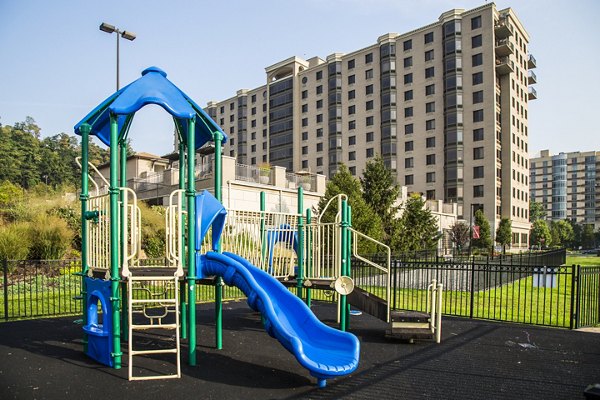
[531, 62]
[502, 28]
[504, 65]
[504, 48]
[531, 78]
[532, 94]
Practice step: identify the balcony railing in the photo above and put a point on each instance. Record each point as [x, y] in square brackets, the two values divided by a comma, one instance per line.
[532, 95]
[531, 78]
[531, 62]
[504, 47]
[504, 65]
[503, 28]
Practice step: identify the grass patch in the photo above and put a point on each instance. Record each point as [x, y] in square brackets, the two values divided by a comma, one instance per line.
[583, 260]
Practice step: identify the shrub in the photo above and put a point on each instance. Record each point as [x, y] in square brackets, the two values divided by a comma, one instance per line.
[153, 230]
[14, 242]
[50, 238]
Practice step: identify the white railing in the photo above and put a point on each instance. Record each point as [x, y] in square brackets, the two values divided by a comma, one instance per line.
[130, 227]
[175, 223]
[97, 189]
[434, 308]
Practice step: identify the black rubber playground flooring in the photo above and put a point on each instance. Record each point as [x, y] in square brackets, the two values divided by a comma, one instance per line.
[42, 359]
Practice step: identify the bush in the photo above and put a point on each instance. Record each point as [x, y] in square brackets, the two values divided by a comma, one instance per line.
[14, 242]
[50, 238]
[153, 230]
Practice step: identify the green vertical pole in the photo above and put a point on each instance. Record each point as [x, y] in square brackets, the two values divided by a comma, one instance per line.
[218, 138]
[190, 195]
[84, 196]
[309, 259]
[300, 272]
[182, 292]
[344, 255]
[114, 240]
[123, 183]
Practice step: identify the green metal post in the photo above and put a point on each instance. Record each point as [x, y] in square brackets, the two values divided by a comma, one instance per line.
[84, 196]
[344, 255]
[300, 272]
[114, 240]
[123, 183]
[190, 194]
[309, 259]
[182, 291]
[218, 138]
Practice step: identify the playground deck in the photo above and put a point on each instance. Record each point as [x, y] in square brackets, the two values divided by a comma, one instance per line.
[42, 359]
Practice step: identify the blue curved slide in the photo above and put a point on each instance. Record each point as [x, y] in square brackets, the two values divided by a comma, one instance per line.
[324, 351]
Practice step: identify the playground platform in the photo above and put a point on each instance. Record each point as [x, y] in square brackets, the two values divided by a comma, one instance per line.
[43, 359]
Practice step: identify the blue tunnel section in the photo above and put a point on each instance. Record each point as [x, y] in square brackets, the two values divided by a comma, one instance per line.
[99, 326]
[324, 351]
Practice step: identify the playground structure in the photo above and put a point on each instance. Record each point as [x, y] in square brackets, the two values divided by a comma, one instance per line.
[207, 244]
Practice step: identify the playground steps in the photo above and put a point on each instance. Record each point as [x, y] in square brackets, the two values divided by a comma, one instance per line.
[168, 299]
[368, 302]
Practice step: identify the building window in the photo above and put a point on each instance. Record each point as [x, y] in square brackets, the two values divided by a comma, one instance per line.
[429, 55]
[231, 118]
[304, 108]
[369, 105]
[319, 104]
[430, 107]
[253, 110]
[428, 37]
[351, 140]
[429, 72]
[369, 89]
[369, 121]
[430, 159]
[478, 191]
[369, 74]
[351, 94]
[352, 170]
[478, 116]
[476, 22]
[408, 129]
[320, 132]
[231, 106]
[430, 142]
[407, 45]
[351, 125]
[408, 95]
[370, 136]
[304, 164]
[408, 112]
[350, 64]
[476, 41]
[319, 75]
[351, 79]
[409, 162]
[222, 110]
[430, 177]
[408, 62]
[319, 161]
[319, 118]
[320, 146]
[368, 58]
[477, 78]
[430, 89]
[351, 109]
[408, 78]
[370, 152]
[304, 94]
[408, 146]
[320, 89]
[478, 153]
[304, 135]
[478, 97]
[352, 156]
[477, 134]
[477, 59]
[408, 180]
[430, 124]
[478, 172]
[304, 149]
[304, 121]
[431, 194]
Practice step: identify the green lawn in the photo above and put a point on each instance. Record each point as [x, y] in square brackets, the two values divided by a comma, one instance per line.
[583, 260]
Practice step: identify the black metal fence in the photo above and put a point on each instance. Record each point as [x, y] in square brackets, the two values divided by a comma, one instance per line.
[538, 258]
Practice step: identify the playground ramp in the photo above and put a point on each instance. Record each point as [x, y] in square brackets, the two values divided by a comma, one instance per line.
[324, 351]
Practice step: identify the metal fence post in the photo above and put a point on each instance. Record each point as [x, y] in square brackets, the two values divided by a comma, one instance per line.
[472, 288]
[573, 289]
[5, 273]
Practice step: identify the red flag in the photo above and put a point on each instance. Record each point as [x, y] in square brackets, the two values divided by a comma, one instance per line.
[475, 231]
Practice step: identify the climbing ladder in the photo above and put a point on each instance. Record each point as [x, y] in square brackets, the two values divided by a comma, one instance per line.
[160, 309]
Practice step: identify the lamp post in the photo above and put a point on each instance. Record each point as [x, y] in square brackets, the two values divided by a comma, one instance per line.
[104, 27]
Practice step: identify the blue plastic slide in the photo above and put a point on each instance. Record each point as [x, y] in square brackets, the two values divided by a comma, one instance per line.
[324, 351]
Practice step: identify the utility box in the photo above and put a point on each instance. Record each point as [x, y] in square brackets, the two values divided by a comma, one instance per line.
[545, 277]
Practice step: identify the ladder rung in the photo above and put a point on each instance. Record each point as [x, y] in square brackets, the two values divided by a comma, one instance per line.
[152, 278]
[161, 351]
[147, 378]
[150, 301]
[163, 326]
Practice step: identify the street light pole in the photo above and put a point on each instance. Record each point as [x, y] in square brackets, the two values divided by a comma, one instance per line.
[104, 27]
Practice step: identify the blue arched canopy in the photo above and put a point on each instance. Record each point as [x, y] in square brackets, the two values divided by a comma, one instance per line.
[152, 88]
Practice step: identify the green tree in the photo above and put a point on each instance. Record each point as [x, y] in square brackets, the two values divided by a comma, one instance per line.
[459, 234]
[364, 218]
[536, 211]
[540, 234]
[504, 233]
[587, 237]
[419, 226]
[380, 192]
[485, 239]
[562, 233]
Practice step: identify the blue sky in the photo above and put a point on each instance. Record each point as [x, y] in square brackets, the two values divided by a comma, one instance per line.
[56, 65]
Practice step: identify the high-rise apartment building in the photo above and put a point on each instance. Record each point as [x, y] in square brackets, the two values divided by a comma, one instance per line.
[445, 105]
[567, 185]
